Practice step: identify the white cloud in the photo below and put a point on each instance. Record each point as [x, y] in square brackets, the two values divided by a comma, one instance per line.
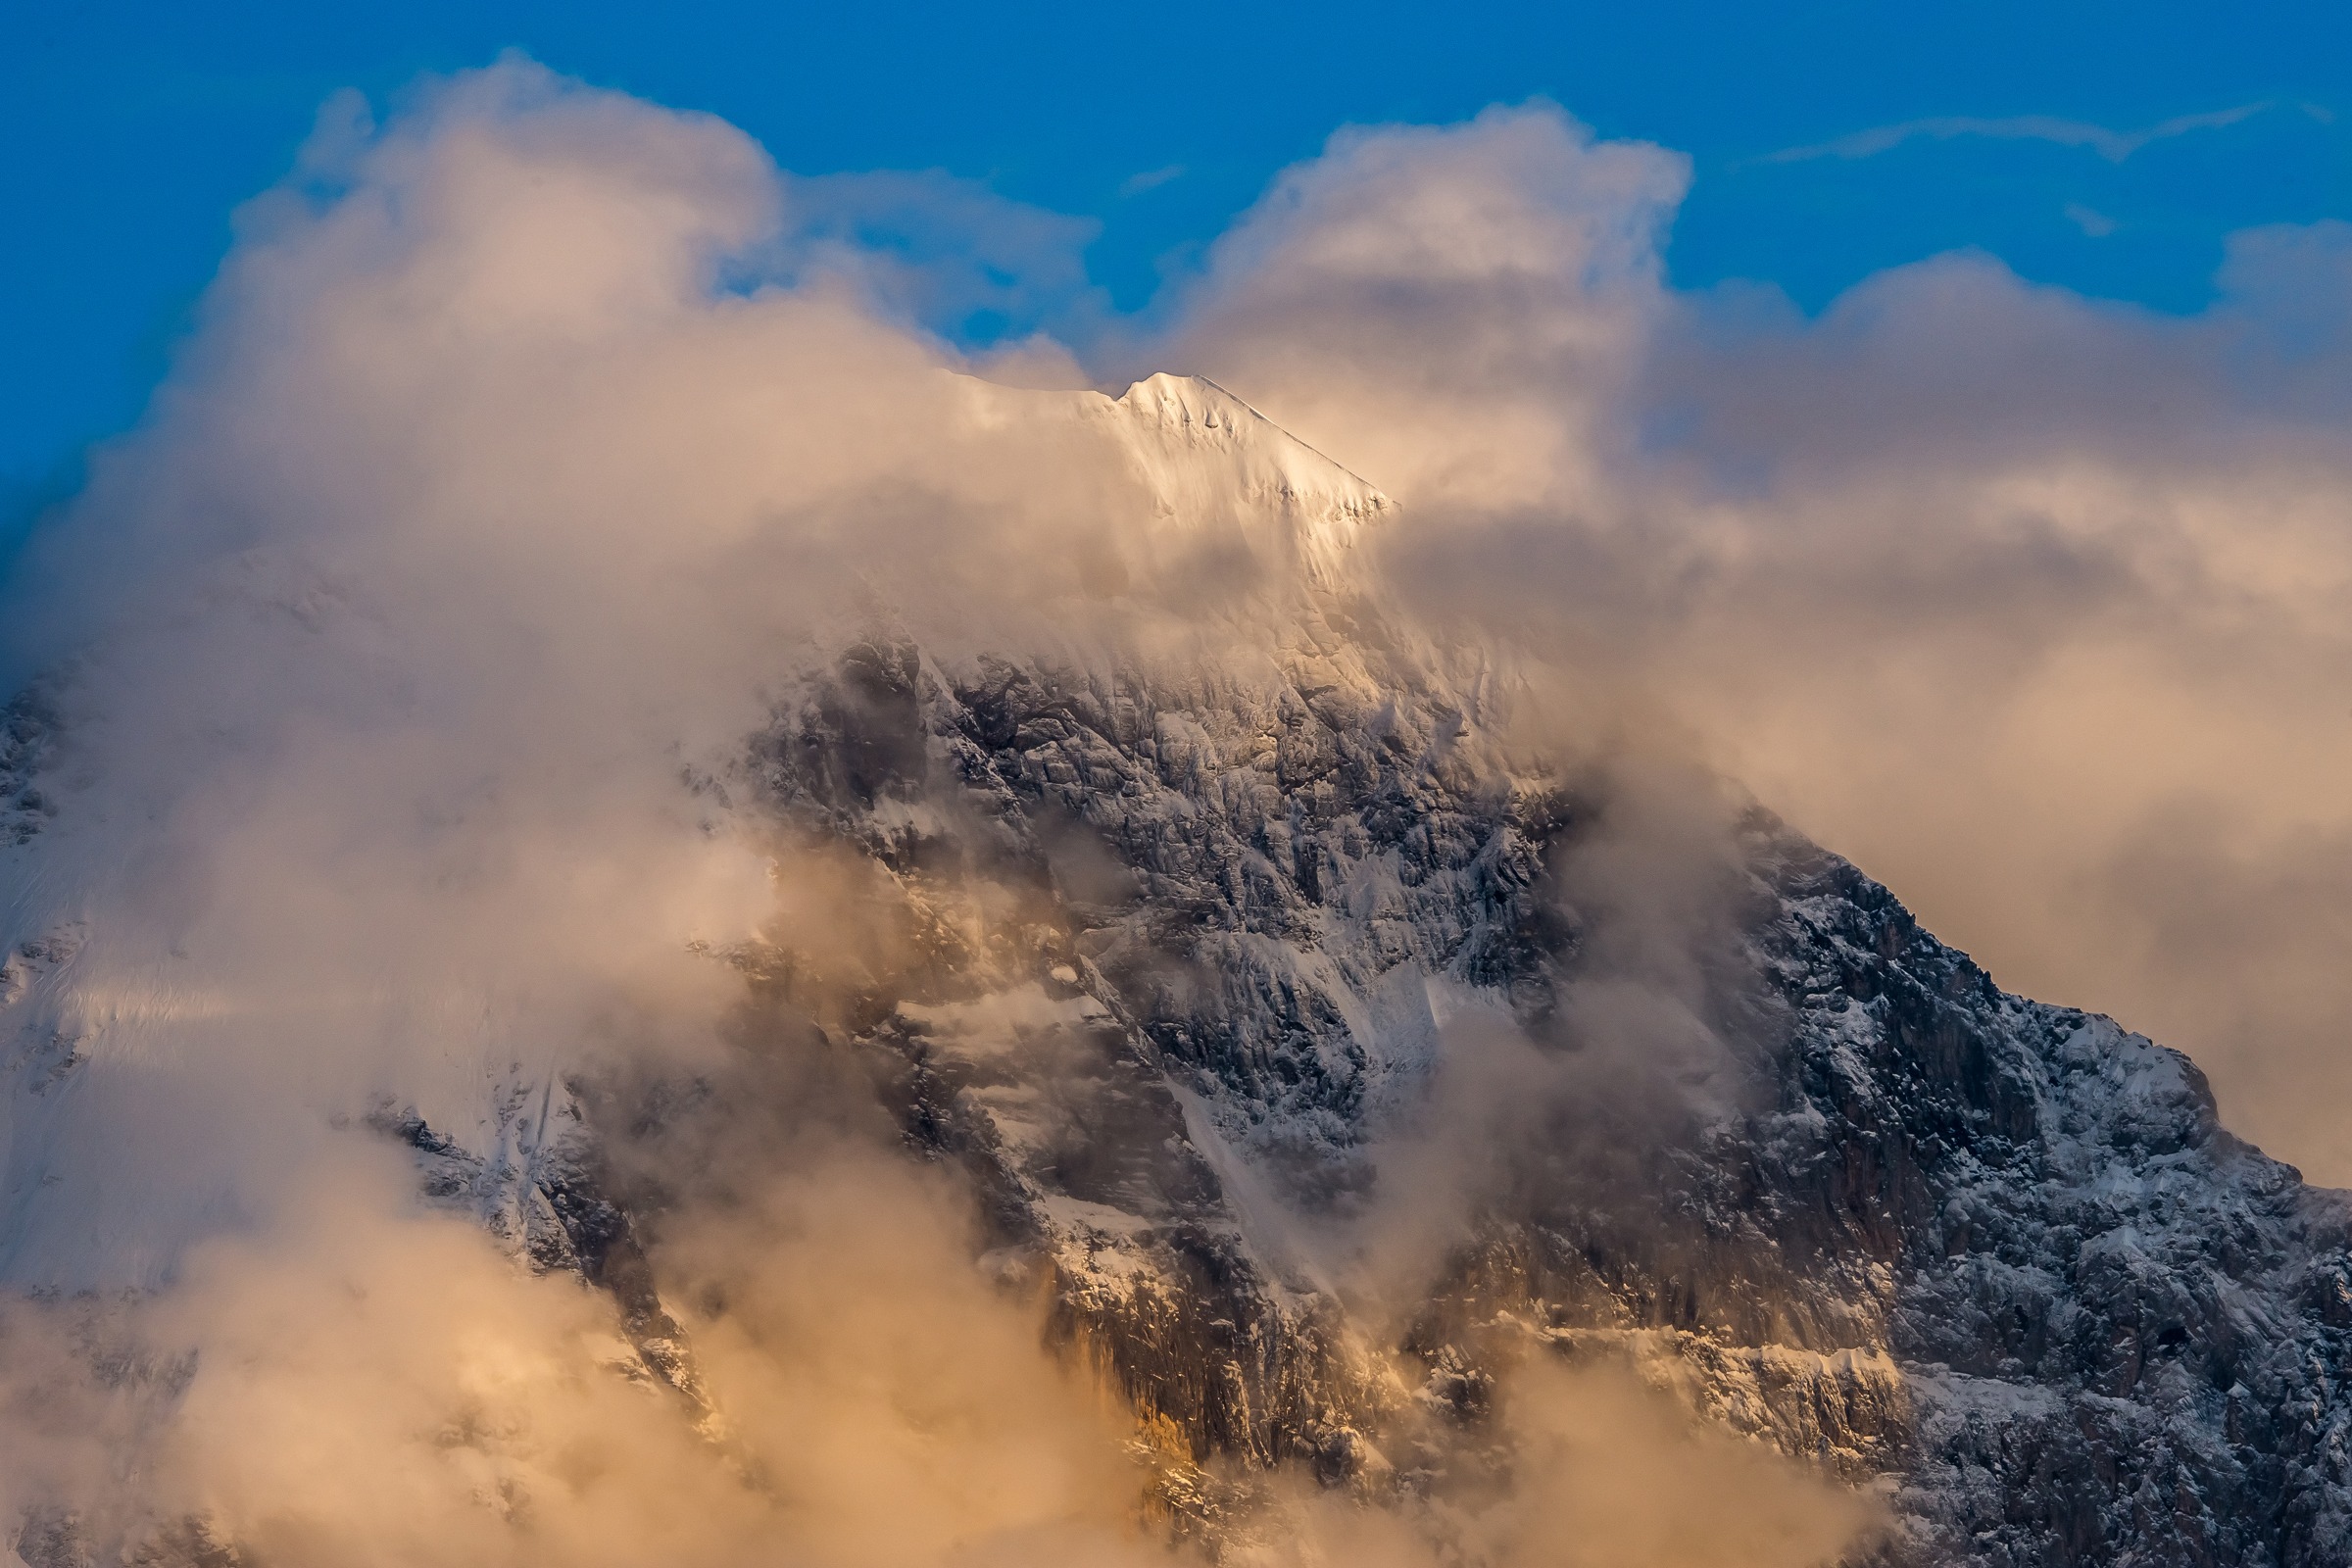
[1451, 308]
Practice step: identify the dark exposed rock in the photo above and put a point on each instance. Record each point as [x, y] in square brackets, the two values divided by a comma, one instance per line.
[543, 1194]
[28, 729]
[1999, 1252]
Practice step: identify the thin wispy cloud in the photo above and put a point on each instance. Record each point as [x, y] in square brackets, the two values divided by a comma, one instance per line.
[2091, 220]
[2113, 145]
[1149, 179]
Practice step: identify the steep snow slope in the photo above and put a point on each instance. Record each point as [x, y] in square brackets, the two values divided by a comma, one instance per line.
[1209, 460]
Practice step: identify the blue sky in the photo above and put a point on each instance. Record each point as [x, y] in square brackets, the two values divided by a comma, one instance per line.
[2105, 148]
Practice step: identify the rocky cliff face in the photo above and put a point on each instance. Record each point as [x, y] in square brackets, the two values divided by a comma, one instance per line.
[1999, 1253]
[1324, 1058]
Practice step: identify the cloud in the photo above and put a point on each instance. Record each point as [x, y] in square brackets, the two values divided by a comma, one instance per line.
[2094, 224]
[941, 253]
[1149, 179]
[1471, 292]
[364, 1385]
[2113, 145]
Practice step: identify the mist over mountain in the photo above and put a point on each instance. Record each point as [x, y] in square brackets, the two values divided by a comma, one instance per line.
[647, 917]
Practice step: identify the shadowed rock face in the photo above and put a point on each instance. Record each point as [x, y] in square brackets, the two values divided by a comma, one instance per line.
[28, 725]
[1998, 1252]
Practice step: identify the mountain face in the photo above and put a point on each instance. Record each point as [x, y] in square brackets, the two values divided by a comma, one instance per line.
[1324, 1058]
[1998, 1251]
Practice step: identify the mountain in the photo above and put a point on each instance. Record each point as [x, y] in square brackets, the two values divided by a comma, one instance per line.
[1324, 1049]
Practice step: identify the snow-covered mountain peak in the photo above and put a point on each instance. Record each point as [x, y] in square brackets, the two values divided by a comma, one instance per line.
[1219, 484]
[1204, 452]
[1195, 416]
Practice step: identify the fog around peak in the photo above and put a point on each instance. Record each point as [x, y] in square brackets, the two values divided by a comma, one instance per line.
[388, 686]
